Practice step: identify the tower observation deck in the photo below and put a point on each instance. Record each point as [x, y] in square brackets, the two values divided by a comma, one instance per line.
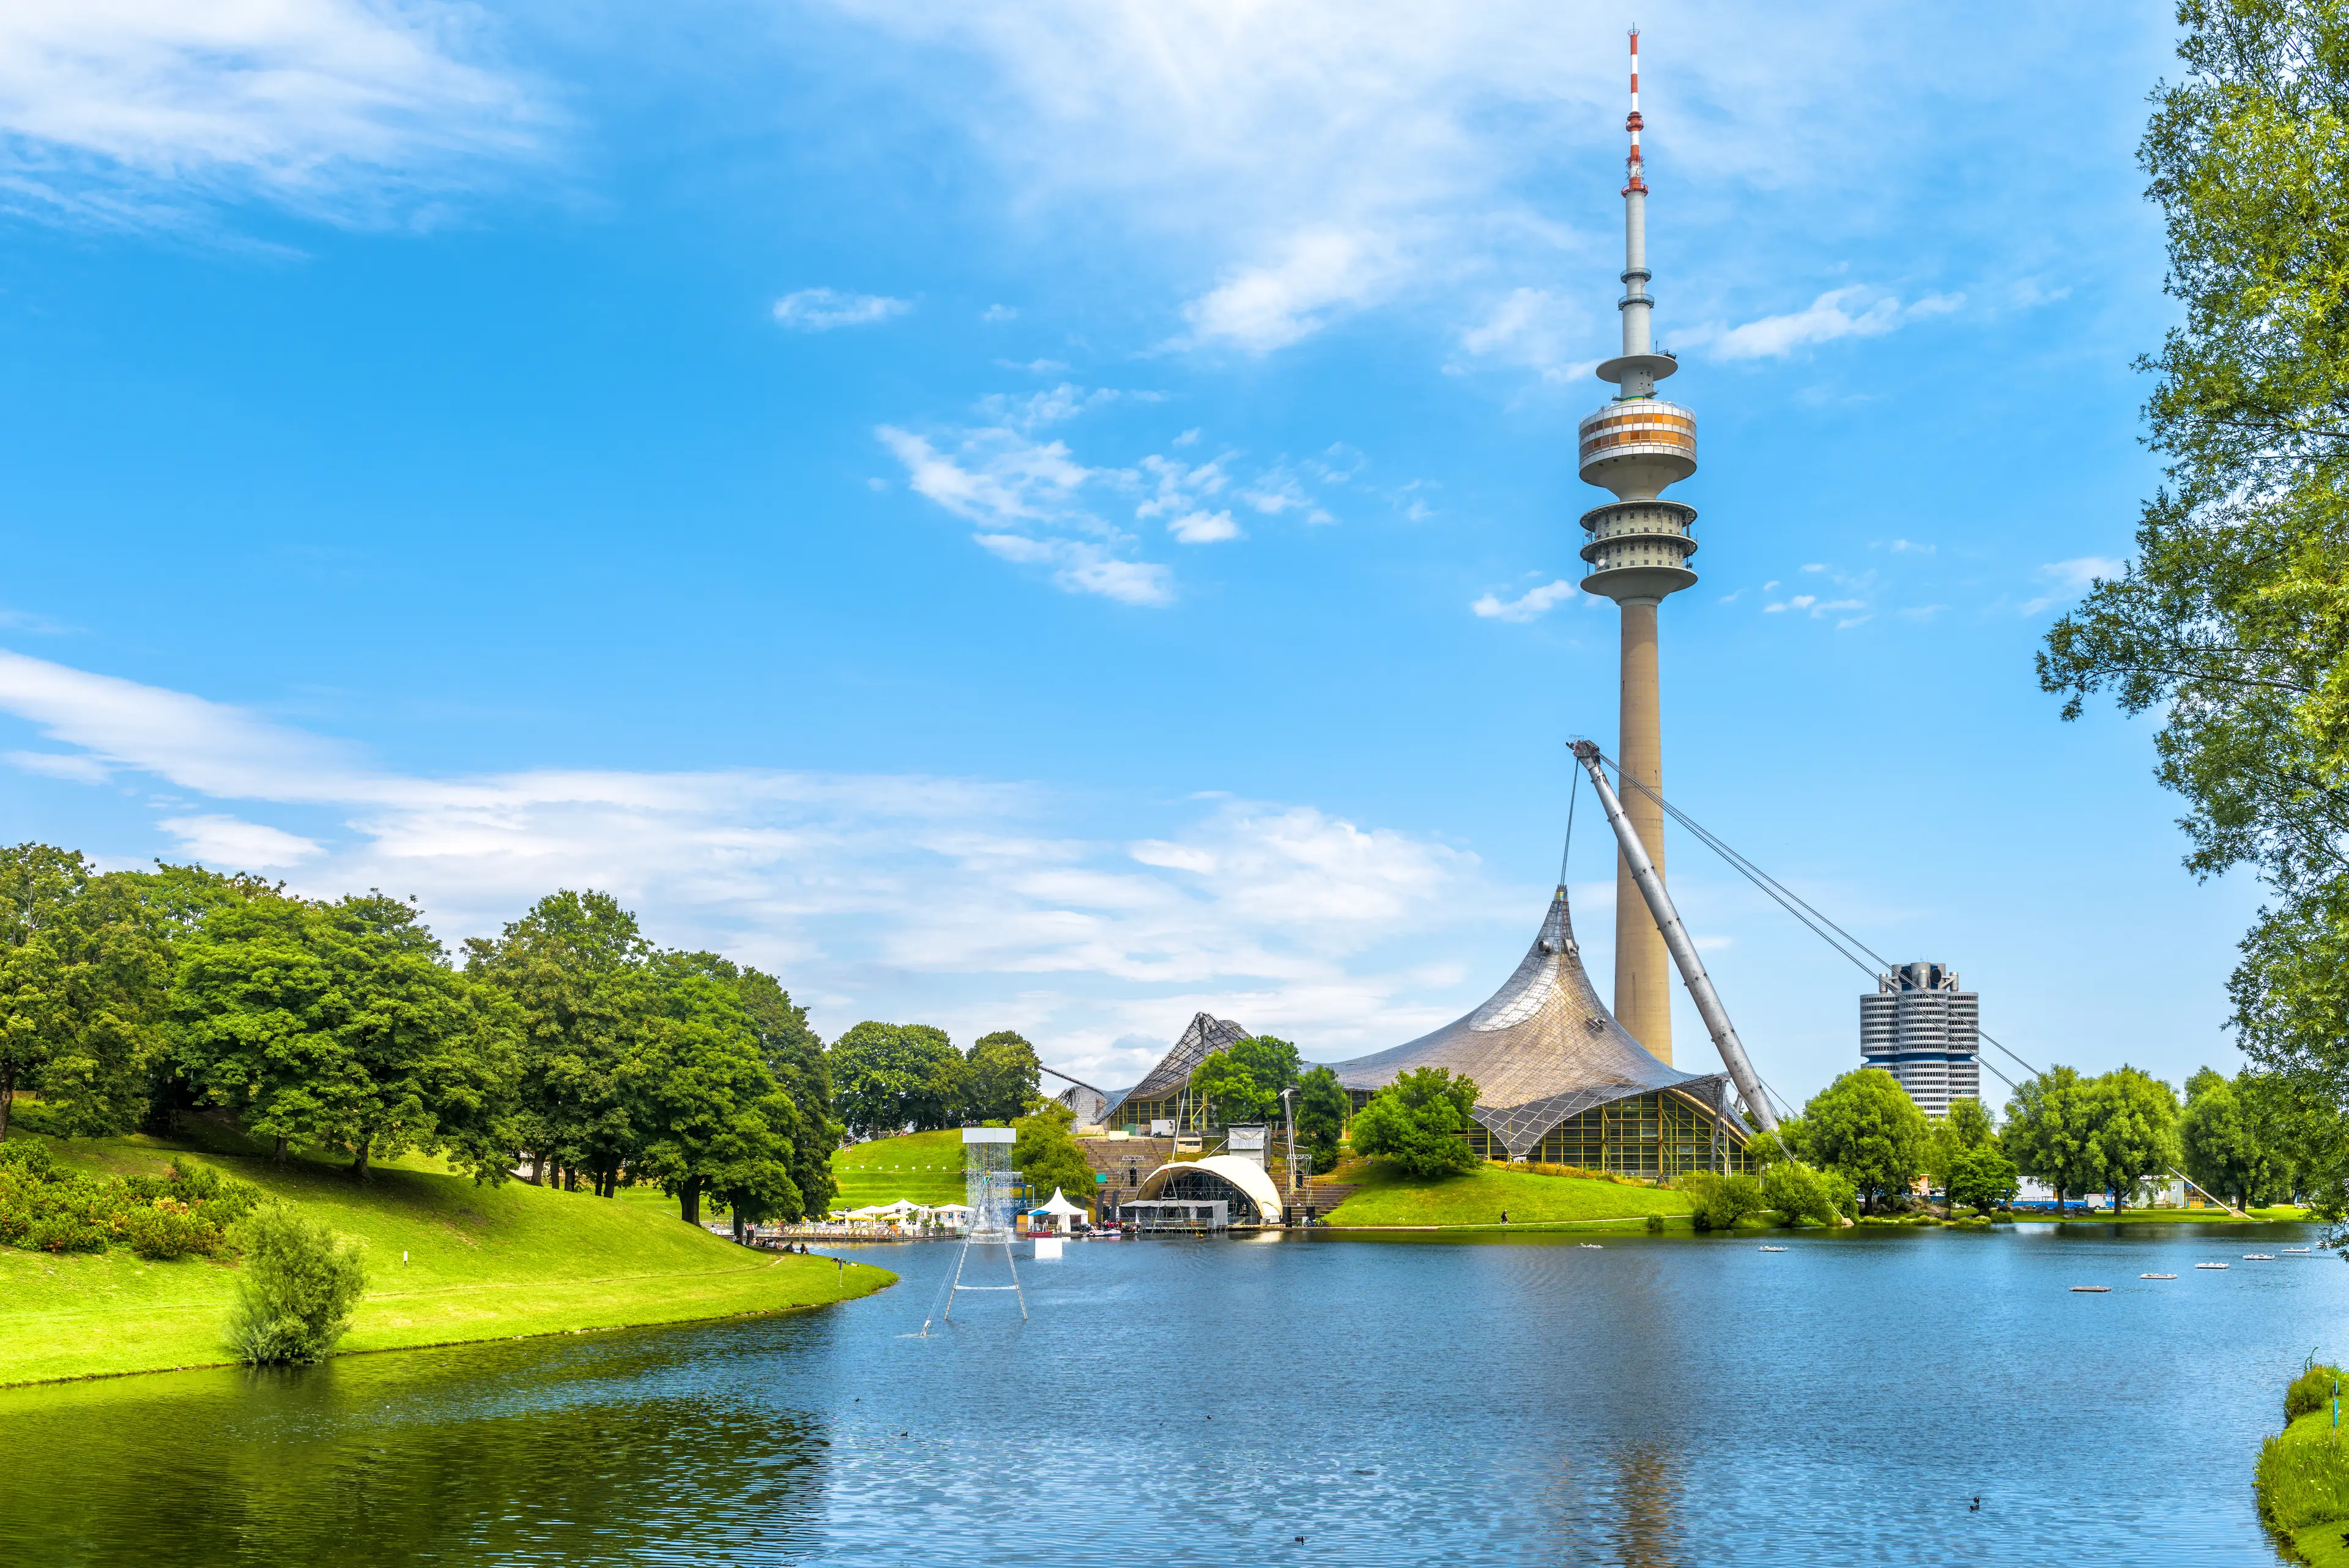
[1638, 551]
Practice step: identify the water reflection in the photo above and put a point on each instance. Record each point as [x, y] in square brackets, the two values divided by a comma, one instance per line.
[570, 1453]
[1517, 1401]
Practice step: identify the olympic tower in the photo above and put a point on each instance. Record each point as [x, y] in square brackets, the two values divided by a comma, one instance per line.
[1638, 553]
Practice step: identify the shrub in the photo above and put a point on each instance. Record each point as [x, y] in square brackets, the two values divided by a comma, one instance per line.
[1721, 1202]
[2312, 1390]
[1655, 1224]
[298, 1288]
[1798, 1192]
[1416, 1121]
[169, 1229]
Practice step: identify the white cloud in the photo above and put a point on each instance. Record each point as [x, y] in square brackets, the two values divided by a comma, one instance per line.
[1264, 306]
[1202, 528]
[823, 309]
[227, 843]
[1850, 312]
[999, 313]
[879, 895]
[2071, 578]
[1531, 604]
[1543, 331]
[119, 112]
[1081, 567]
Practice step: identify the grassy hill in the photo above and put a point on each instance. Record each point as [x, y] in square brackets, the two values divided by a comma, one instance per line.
[1479, 1197]
[446, 1262]
[924, 1167]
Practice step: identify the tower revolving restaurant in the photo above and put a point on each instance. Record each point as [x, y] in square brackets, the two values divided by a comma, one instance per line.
[1560, 1082]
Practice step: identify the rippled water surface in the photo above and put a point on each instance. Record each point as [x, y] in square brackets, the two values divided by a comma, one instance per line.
[1652, 1401]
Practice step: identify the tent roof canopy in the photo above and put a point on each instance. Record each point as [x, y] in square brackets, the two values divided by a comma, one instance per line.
[1056, 1204]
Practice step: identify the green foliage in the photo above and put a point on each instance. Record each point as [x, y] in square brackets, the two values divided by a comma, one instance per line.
[1798, 1192]
[1322, 1104]
[2231, 1148]
[2048, 1123]
[999, 1078]
[342, 1024]
[2232, 619]
[895, 1077]
[1981, 1178]
[2133, 1130]
[570, 967]
[1047, 1157]
[297, 1289]
[1718, 1202]
[1244, 1079]
[1865, 1125]
[795, 1055]
[2310, 1391]
[44, 1208]
[697, 1085]
[1416, 1123]
[82, 970]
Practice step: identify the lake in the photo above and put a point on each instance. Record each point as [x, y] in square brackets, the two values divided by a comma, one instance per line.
[1651, 1401]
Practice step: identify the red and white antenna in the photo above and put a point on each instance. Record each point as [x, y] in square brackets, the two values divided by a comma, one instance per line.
[1634, 169]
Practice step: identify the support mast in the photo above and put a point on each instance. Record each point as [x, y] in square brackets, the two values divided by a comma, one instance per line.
[1674, 935]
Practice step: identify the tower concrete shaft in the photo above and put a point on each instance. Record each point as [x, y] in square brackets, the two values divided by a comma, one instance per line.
[1638, 548]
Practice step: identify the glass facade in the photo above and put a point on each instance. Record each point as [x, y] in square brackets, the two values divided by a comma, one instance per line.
[1655, 1136]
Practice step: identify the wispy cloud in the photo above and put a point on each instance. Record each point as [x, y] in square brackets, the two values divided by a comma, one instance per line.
[1263, 306]
[1531, 604]
[2070, 579]
[1850, 312]
[825, 309]
[886, 895]
[124, 113]
[1543, 331]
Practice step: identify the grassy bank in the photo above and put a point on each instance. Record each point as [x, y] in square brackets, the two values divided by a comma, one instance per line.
[1479, 1197]
[924, 1167]
[2170, 1217]
[480, 1264]
[2302, 1480]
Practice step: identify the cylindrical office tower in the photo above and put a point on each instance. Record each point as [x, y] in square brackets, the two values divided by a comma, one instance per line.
[1638, 553]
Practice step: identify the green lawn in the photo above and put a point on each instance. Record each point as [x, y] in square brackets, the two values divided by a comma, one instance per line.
[1477, 1198]
[446, 1262]
[924, 1167]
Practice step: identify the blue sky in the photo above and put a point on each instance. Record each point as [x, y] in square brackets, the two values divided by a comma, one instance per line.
[1052, 517]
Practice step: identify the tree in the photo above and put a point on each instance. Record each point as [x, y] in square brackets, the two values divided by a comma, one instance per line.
[1983, 1178]
[999, 1078]
[1718, 1202]
[888, 1077]
[1047, 1157]
[2228, 1150]
[795, 1055]
[2231, 621]
[341, 1023]
[570, 967]
[2048, 1121]
[1244, 1080]
[714, 1119]
[1322, 1104]
[2132, 1130]
[1418, 1121]
[82, 975]
[1967, 1127]
[1865, 1126]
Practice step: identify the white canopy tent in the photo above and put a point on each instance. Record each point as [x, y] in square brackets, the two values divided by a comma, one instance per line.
[1056, 1211]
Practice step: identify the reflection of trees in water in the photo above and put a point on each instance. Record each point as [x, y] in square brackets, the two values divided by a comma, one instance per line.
[1643, 1500]
[405, 1459]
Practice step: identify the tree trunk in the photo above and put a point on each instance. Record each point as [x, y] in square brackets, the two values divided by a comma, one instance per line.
[366, 1148]
[570, 1179]
[278, 1154]
[688, 1200]
[738, 1226]
[8, 1094]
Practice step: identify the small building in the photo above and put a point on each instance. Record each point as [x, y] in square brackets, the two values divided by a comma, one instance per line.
[1925, 1032]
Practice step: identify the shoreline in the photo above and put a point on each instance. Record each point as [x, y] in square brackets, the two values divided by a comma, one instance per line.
[116, 1375]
